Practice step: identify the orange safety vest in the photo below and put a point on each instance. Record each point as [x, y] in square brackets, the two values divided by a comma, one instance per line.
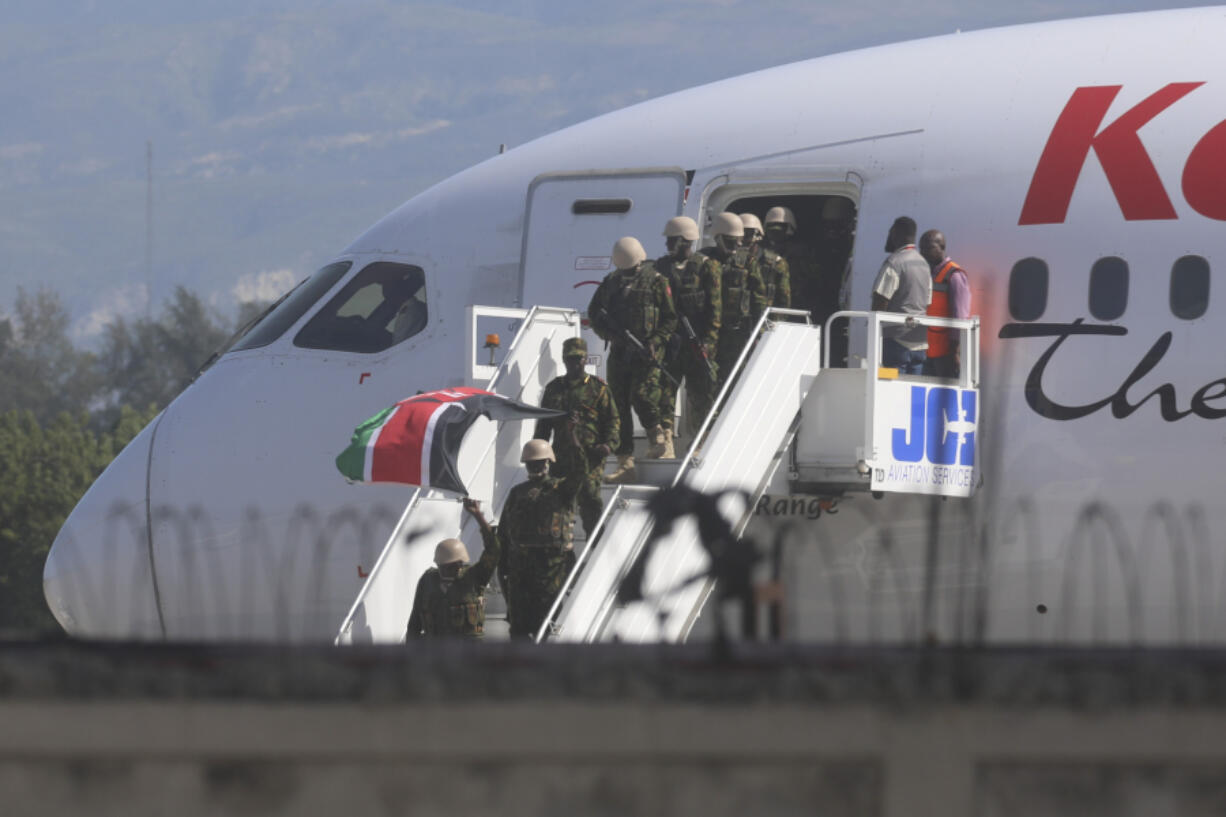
[939, 337]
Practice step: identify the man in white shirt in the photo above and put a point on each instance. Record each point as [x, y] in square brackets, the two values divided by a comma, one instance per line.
[904, 284]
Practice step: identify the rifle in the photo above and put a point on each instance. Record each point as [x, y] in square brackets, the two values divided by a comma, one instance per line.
[636, 344]
[698, 347]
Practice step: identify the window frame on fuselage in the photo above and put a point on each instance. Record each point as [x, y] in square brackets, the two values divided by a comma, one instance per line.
[289, 309]
[1029, 289]
[1191, 283]
[375, 321]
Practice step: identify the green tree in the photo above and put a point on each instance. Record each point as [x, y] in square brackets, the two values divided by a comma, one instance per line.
[44, 471]
[40, 369]
[66, 413]
[149, 361]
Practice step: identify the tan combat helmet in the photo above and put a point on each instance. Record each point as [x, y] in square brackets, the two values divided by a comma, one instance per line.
[781, 215]
[682, 226]
[728, 224]
[728, 231]
[537, 450]
[628, 253]
[448, 551]
[751, 223]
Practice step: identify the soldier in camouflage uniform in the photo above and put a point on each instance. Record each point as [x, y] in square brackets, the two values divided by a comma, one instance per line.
[808, 285]
[450, 597]
[634, 298]
[773, 266]
[586, 399]
[694, 278]
[742, 292]
[535, 534]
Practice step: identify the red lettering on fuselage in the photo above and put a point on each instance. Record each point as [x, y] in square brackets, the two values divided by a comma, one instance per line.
[1126, 163]
[1204, 176]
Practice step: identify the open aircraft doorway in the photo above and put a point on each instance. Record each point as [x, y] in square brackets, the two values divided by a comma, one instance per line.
[818, 252]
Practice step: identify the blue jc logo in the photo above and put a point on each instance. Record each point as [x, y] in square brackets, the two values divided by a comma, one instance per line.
[939, 426]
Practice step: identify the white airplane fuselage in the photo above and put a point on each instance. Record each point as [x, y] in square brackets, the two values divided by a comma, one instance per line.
[1065, 142]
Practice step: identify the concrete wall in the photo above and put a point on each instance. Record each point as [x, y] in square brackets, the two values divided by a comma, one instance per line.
[520, 731]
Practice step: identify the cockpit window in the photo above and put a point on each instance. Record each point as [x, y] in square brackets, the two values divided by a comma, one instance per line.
[286, 312]
[383, 305]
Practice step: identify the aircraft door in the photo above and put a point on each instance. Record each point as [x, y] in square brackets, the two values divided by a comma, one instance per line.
[572, 221]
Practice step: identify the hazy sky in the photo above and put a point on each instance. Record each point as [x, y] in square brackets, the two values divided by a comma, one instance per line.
[281, 129]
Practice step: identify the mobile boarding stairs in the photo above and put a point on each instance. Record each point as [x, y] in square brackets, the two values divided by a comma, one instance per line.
[833, 429]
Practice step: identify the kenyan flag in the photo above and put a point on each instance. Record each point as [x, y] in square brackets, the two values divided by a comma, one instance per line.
[417, 440]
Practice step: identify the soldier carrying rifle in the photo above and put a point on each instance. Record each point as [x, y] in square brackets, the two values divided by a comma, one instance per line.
[634, 303]
[695, 280]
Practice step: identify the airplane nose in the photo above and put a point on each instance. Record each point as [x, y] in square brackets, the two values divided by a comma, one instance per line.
[98, 578]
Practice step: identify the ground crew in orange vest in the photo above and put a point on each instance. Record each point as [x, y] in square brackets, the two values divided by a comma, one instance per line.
[951, 298]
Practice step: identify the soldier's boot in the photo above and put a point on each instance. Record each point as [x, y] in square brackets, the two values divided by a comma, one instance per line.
[656, 450]
[670, 453]
[624, 472]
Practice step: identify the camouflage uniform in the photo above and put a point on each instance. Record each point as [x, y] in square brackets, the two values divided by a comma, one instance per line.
[744, 299]
[589, 400]
[776, 279]
[454, 607]
[639, 301]
[535, 532]
[670, 355]
[696, 294]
